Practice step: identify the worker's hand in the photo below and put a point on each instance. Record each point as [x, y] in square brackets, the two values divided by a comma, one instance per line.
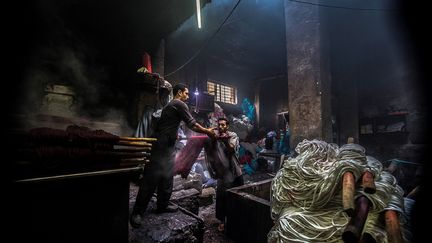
[223, 136]
[211, 133]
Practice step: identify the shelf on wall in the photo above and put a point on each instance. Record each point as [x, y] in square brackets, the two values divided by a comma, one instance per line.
[392, 123]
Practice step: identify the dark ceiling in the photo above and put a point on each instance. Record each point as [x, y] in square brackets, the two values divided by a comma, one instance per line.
[95, 46]
[114, 32]
[98, 45]
[250, 45]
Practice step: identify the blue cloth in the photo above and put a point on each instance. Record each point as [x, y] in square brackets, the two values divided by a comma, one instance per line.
[198, 168]
[210, 183]
[284, 143]
[248, 109]
[248, 170]
[241, 152]
[258, 149]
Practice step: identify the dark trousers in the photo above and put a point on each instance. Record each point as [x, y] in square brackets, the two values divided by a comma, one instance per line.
[157, 176]
[222, 186]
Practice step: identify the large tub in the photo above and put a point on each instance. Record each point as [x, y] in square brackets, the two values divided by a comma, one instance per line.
[248, 216]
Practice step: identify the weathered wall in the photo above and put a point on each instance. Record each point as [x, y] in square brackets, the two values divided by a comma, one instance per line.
[273, 98]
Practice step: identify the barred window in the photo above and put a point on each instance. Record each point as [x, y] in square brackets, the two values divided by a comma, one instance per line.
[223, 93]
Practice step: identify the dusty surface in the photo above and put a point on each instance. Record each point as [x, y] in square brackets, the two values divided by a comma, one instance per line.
[163, 228]
[206, 213]
[211, 233]
[172, 226]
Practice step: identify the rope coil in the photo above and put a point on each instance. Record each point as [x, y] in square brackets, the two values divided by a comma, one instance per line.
[306, 199]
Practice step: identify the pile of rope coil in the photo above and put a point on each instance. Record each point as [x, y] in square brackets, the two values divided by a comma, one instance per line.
[306, 199]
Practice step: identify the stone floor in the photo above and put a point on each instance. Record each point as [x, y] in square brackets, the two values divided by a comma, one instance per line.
[211, 233]
[178, 227]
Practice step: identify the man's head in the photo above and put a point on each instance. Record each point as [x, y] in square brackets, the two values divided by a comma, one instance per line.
[223, 125]
[181, 92]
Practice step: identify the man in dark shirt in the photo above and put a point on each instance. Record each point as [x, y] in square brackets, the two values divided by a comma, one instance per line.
[158, 174]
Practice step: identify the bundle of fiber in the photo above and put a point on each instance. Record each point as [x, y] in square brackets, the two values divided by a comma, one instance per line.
[73, 134]
[306, 195]
[85, 134]
[187, 156]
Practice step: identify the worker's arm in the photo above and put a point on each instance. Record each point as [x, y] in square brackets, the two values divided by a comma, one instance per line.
[198, 128]
[186, 116]
[231, 141]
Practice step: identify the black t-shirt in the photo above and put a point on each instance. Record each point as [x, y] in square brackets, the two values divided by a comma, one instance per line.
[172, 114]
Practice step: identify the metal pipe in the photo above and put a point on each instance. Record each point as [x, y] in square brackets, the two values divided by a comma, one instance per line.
[78, 175]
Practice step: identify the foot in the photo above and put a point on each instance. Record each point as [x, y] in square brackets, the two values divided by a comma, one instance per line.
[135, 220]
[169, 209]
[221, 227]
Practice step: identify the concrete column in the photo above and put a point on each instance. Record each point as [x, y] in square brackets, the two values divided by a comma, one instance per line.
[308, 74]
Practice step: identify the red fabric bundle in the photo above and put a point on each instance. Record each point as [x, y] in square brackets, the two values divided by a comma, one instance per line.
[187, 156]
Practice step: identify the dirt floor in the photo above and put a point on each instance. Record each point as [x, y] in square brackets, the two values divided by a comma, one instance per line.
[211, 232]
[207, 213]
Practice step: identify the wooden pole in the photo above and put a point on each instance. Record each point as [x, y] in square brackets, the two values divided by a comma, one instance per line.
[413, 193]
[368, 183]
[124, 148]
[392, 225]
[348, 189]
[138, 139]
[354, 229]
[143, 144]
[133, 161]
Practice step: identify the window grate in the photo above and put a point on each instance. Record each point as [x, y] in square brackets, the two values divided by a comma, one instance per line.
[223, 93]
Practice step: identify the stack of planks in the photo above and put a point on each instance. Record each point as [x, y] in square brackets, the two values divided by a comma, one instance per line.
[54, 151]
